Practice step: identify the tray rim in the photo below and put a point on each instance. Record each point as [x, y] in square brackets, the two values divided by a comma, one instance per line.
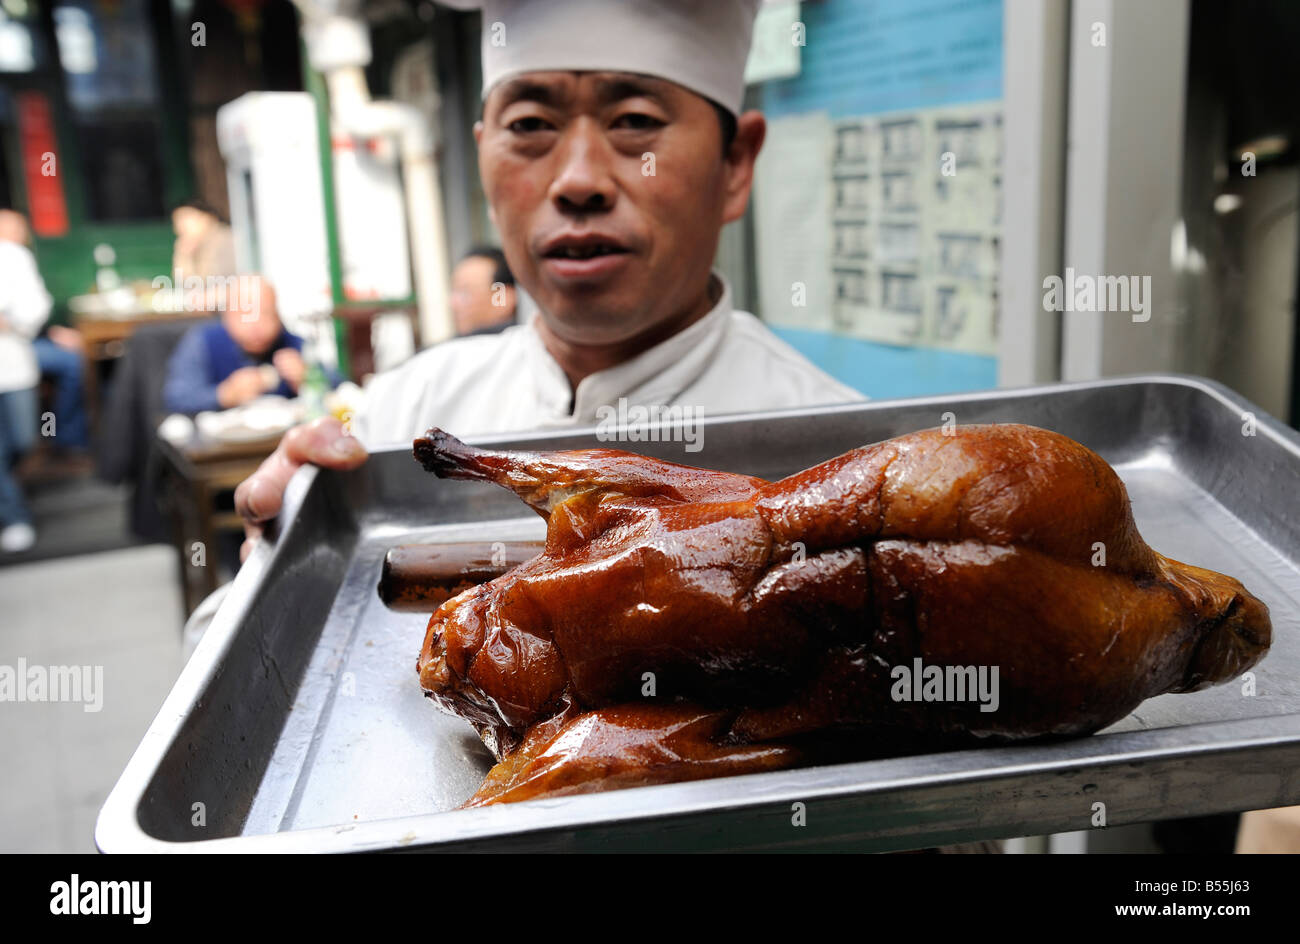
[118, 828]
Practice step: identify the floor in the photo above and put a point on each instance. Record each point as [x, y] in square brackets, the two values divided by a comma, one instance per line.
[74, 512]
[120, 610]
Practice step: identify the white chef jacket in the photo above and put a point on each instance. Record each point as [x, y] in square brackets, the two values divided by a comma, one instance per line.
[727, 362]
[25, 304]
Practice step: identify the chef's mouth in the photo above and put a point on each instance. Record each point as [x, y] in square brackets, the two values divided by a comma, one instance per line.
[585, 252]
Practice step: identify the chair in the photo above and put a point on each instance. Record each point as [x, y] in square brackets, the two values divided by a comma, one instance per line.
[127, 446]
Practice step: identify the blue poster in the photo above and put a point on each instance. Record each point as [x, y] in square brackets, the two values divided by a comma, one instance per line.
[863, 57]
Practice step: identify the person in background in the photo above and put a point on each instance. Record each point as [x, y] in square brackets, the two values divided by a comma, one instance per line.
[60, 355]
[483, 297]
[247, 354]
[24, 306]
[205, 245]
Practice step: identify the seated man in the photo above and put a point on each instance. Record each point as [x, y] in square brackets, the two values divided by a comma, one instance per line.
[205, 245]
[246, 355]
[60, 354]
[483, 297]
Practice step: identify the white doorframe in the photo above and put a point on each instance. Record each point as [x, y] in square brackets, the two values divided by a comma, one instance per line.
[1123, 179]
[1034, 50]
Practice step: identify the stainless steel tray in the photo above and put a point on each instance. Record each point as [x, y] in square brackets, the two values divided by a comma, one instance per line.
[299, 724]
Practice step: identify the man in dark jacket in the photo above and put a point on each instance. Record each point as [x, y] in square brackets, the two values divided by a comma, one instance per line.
[483, 298]
[244, 356]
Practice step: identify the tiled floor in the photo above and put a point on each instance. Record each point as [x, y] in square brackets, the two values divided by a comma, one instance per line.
[120, 610]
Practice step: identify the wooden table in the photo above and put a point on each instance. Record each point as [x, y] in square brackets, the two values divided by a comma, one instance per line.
[199, 470]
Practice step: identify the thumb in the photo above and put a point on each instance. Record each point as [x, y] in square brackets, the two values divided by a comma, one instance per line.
[324, 442]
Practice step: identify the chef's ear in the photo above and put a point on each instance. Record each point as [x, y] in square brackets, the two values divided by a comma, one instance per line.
[751, 131]
[478, 130]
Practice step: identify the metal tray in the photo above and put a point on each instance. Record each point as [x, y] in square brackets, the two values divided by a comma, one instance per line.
[299, 724]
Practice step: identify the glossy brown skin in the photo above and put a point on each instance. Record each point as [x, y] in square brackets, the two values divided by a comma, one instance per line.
[785, 605]
[626, 746]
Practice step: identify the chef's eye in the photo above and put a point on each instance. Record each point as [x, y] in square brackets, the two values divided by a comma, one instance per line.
[528, 125]
[636, 121]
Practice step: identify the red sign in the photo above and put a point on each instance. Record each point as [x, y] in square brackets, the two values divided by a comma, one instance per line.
[41, 170]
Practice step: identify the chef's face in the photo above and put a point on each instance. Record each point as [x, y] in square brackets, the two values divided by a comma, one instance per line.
[609, 190]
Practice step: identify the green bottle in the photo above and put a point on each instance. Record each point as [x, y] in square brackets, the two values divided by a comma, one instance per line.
[315, 384]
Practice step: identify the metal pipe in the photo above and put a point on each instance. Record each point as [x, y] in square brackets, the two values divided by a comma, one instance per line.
[338, 46]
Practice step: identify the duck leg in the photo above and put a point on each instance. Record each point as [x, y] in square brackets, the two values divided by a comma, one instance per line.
[544, 480]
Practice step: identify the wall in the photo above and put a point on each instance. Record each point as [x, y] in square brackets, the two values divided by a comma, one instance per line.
[873, 64]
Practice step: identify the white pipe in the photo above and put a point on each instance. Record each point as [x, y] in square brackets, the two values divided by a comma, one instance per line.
[338, 46]
[429, 250]
[357, 115]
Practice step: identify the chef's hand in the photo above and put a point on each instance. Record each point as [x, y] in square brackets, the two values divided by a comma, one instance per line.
[290, 366]
[323, 442]
[239, 388]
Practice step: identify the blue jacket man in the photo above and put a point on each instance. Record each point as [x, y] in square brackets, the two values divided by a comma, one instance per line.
[246, 355]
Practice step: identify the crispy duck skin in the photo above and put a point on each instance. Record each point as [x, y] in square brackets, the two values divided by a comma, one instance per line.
[627, 746]
[770, 615]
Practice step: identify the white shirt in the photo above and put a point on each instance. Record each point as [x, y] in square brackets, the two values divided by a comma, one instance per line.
[24, 305]
[727, 362]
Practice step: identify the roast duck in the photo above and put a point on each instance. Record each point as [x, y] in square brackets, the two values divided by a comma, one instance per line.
[682, 623]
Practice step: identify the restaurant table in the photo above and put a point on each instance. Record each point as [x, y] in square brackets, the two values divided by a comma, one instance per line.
[198, 470]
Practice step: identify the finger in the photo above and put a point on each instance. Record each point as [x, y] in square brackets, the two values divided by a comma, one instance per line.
[252, 534]
[259, 497]
[324, 442]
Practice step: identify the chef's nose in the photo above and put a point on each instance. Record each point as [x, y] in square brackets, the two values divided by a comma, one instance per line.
[584, 183]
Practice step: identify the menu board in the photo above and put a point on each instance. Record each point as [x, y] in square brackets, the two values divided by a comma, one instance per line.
[878, 191]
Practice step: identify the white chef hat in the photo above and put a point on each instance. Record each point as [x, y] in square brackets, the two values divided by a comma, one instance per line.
[701, 45]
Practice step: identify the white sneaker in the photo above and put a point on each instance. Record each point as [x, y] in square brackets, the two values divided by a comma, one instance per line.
[17, 538]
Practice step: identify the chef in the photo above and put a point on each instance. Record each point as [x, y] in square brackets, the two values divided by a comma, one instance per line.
[612, 149]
